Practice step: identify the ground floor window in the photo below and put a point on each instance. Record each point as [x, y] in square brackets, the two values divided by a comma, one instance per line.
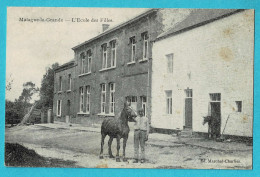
[112, 98]
[103, 98]
[59, 107]
[133, 102]
[88, 99]
[81, 99]
[143, 102]
[168, 101]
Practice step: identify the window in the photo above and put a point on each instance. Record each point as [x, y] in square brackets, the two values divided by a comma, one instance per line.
[169, 63]
[81, 99]
[113, 53]
[145, 45]
[59, 107]
[60, 83]
[143, 101]
[104, 56]
[69, 82]
[215, 97]
[188, 93]
[168, 102]
[103, 98]
[112, 98]
[133, 102]
[89, 58]
[82, 58]
[239, 106]
[133, 49]
[88, 99]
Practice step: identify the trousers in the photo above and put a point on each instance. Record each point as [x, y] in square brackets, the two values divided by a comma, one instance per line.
[139, 140]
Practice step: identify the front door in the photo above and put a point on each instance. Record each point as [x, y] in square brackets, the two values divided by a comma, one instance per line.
[216, 114]
[188, 108]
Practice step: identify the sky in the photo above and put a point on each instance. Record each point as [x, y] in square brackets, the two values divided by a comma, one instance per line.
[32, 46]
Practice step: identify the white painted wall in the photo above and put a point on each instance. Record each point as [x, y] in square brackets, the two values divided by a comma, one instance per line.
[219, 58]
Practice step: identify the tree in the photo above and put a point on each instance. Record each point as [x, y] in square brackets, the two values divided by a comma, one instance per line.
[47, 87]
[28, 90]
[15, 111]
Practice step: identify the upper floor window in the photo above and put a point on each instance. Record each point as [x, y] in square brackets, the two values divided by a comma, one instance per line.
[103, 98]
[89, 58]
[112, 98]
[69, 82]
[168, 101]
[60, 83]
[169, 63]
[113, 53]
[133, 49]
[82, 64]
[145, 45]
[104, 56]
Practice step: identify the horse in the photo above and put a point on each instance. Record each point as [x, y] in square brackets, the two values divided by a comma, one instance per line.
[117, 128]
[213, 126]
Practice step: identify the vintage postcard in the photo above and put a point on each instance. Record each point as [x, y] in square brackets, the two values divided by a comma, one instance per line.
[129, 88]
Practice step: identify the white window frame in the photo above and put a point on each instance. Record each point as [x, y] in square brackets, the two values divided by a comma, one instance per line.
[144, 104]
[112, 98]
[133, 49]
[89, 61]
[145, 47]
[82, 69]
[58, 112]
[113, 53]
[131, 100]
[88, 99]
[81, 100]
[169, 61]
[103, 98]
[60, 83]
[104, 56]
[212, 95]
[168, 102]
[70, 81]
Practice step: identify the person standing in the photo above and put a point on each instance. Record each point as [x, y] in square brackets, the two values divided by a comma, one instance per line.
[141, 132]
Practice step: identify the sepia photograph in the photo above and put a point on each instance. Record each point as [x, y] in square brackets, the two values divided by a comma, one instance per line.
[163, 88]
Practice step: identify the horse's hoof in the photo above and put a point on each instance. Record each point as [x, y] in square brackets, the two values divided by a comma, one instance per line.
[117, 160]
[124, 159]
[111, 156]
[101, 157]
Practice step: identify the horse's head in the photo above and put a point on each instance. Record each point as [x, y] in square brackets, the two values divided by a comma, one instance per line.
[131, 114]
[206, 119]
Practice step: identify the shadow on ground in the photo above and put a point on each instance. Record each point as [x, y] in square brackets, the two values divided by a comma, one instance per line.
[17, 155]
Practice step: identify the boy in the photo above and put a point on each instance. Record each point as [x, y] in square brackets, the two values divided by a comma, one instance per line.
[141, 129]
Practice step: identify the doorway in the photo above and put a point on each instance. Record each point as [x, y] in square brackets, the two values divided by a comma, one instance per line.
[188, 108]
[215, 112]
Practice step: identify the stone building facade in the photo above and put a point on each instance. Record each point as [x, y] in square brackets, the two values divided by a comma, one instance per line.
[207, 69]
[113, 67]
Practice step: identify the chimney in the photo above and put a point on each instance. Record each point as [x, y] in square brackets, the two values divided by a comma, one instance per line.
[105, 27]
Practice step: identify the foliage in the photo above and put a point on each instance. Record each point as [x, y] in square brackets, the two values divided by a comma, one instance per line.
[15, 111]
[47, 87]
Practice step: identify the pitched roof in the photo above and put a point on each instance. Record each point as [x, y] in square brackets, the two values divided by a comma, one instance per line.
[196, 18]
[134, 19]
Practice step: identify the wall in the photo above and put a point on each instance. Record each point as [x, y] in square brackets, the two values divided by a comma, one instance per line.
[214, 58]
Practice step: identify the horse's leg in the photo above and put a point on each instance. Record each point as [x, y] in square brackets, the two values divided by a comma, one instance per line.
[124, 146]
[118, 148]
[102, 145]
[109, 147]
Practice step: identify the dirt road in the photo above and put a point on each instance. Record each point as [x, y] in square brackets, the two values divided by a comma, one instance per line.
[83, 147]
